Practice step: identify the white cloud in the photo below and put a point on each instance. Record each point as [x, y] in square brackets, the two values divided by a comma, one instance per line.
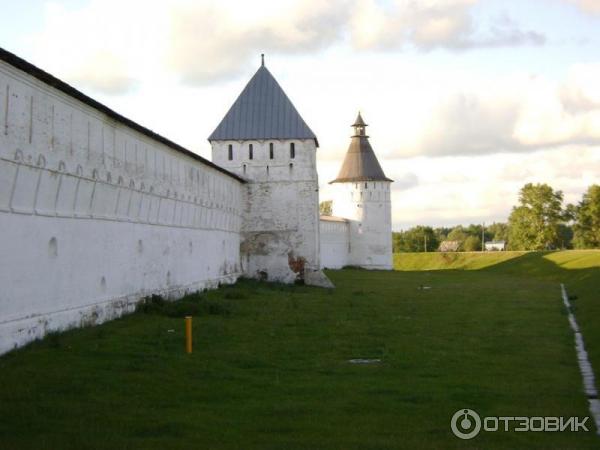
[427, 24]
[102, 45]
[102, 71]
[581, 90]
[589, 6]
[432, 24]
[207, 42]
[403, 181]
[462, 190]
[520, 114]
[470, 123]
[109, 45]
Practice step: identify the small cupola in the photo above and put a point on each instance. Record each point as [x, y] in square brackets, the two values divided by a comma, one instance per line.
[359, 126]
[360, 163]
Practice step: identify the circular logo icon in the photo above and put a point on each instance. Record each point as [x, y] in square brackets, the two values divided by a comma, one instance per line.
[465, 424]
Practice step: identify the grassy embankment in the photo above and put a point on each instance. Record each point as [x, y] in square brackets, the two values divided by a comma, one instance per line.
[579, 270]
[270, 364]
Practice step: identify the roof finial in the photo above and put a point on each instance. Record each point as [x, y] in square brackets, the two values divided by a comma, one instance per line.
[359, 121]
[262, 59]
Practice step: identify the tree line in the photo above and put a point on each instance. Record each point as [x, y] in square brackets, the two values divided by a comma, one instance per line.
[538, 222]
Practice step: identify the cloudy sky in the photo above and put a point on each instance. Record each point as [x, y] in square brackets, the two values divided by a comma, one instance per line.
[467, 99]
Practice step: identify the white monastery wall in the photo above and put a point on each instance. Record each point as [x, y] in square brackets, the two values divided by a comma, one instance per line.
[335, 242]
[280, 230]
[95, 214]
[367, 206]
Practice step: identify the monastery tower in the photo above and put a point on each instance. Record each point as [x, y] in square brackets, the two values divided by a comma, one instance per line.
[264, 140]
[362, 195]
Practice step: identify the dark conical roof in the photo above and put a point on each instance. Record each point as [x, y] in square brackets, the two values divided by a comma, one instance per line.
[359, 121]
[360, 163]
[262, 111]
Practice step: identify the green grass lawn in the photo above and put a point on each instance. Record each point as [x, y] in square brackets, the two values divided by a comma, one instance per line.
[270, 364]
[579, 270]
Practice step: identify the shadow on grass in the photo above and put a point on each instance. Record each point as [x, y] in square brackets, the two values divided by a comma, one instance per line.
[559, 266]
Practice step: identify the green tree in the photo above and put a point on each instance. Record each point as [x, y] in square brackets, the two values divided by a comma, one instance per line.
[325, 207]
[534, 223]
[565, 236]
[497, 232]
[459, 234]
[441, 233]
[587, 219]
[415, 239]
[472, 244]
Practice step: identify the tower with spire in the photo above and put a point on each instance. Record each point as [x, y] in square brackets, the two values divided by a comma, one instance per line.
[263, 139]
[362, 196]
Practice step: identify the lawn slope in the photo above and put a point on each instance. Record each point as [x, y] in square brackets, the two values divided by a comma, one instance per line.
[450, 260]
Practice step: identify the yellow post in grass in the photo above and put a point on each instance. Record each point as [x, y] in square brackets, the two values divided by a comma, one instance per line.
[188, 334]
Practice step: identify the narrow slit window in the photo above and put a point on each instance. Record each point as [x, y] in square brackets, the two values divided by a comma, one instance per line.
[271, 153]
[292, 150]
[250, 151]
[230, 152]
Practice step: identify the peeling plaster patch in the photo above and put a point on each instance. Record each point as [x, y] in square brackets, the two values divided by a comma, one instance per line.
[90, 319]
[296, 264]
[259, 243]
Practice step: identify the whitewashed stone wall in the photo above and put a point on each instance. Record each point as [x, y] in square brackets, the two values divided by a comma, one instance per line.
[335, 242]
[280, 231]
[94, 214]
[367, 206]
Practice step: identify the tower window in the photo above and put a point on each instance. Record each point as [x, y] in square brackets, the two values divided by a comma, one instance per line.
[250, 151]
[244, 168]
[230, 152]
[271, 153]
[292, 150]
[366, 186]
